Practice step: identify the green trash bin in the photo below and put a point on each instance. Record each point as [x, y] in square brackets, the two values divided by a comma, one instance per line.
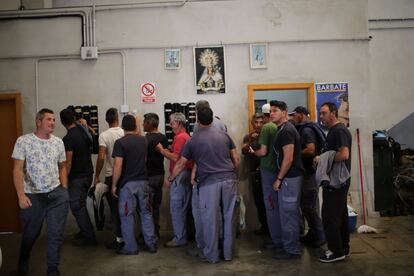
[383, 171]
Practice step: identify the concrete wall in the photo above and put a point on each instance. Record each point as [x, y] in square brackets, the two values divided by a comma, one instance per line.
[391, 60]
[309, 41]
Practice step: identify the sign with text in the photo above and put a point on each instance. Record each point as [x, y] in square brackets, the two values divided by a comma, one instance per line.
[336, 93]
[148, 93]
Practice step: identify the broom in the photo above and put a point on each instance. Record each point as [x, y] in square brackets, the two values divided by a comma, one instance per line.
[363, 228]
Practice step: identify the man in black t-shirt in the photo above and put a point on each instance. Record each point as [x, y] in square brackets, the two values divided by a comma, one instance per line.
[130, 179]
[334, 206]
[315, 236]
[155, 164]
[80, 173]
[288, 183]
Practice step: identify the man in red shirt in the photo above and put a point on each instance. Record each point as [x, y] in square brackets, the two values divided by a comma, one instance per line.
[180, 193]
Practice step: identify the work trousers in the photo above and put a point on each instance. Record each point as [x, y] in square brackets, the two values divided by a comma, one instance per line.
[270, 199]
[132, 195]
[217, 200]
[289, 213]
[52, 206]
[198, 224]
[335, 218]
[180, 195]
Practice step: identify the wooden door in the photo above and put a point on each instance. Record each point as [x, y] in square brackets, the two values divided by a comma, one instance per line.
[10, 112]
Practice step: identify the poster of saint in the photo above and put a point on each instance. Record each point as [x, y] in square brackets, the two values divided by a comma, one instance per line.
[209, 70]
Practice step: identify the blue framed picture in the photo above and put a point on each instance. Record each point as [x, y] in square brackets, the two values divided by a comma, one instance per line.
[258, 55]
[172, 59]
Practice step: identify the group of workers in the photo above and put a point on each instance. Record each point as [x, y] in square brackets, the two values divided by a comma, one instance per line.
[287, 165]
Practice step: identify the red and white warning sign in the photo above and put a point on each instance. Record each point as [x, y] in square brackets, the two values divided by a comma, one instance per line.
[148, 93]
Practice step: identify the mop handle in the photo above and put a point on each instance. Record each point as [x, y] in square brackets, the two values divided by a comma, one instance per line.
[360, 176]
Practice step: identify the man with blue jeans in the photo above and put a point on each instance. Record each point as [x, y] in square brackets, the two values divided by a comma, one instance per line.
[217, 162]
[40, 179]
[130, 179]
[288, 183]
[80, 170]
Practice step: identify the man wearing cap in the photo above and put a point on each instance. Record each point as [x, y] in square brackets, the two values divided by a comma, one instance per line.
[315, 236]
[268, 173]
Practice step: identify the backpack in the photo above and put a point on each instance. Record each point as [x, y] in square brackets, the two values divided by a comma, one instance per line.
[319, 134]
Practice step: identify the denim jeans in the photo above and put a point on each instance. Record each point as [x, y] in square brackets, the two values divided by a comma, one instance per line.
[52, 206]
[78, 192]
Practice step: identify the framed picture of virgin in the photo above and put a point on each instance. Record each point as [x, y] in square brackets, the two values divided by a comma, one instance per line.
[209, 70]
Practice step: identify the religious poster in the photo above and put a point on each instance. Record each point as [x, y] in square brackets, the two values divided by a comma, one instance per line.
[209, 70]
[336, 93]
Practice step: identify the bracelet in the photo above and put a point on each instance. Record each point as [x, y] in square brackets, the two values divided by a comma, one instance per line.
[279, 178]
[170, 180]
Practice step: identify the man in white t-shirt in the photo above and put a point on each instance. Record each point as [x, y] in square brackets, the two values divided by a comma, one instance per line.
[106, 144]
[40, 179]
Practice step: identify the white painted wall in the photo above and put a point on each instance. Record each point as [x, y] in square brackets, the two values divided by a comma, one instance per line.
[391, 61]
[309, 41]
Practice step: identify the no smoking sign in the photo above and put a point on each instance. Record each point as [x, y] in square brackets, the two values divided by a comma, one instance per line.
[148, 92]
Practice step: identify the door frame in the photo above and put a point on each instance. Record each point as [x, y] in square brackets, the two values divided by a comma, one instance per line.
[310, 95]
[16, 97]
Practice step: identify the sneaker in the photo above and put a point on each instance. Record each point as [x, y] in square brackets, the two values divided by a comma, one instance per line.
[286, 256]
[84, 242]
[173, 243]
[150, 249]
[23, 266]
[114, 245]
[330, 257]
[122, 251]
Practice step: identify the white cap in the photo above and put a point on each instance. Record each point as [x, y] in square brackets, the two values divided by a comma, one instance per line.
[266, 108]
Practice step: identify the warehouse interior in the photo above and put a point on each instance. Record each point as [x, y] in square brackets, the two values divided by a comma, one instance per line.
[111, 53]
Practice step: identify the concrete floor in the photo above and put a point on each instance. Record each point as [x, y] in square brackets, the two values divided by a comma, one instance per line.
[391, 252]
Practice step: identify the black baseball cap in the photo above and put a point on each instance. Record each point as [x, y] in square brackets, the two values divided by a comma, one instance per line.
[299, 109]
